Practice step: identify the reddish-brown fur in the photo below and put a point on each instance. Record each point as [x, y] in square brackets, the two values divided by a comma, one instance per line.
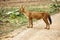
[36, 15]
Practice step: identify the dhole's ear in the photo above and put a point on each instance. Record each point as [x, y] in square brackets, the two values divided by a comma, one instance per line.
[22, 6]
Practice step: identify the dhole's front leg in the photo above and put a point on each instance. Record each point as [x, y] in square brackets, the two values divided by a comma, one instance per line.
[30, 23]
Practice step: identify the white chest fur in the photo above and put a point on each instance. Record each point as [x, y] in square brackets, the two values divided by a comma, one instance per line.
[26, 15]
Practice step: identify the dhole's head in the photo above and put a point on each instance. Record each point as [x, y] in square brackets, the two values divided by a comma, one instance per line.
[21, 9]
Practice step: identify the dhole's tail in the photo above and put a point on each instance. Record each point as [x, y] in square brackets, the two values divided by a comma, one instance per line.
[50, 19]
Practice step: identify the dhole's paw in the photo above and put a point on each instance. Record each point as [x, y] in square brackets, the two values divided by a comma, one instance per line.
[29, 27]
[47, 28]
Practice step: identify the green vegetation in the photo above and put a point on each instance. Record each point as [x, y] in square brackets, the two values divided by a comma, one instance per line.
[52, 8]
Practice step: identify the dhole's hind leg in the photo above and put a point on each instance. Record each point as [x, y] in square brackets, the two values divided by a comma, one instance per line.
[47, 24]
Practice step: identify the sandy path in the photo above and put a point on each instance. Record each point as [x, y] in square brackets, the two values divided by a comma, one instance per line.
[39, 33]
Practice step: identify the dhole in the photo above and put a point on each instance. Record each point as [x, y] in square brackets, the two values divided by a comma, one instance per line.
[36, 15]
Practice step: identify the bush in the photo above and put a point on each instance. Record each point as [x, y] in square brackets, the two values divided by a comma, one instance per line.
[53, 8]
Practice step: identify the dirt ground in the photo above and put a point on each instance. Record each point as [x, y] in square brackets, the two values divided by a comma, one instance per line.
[38, 32]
